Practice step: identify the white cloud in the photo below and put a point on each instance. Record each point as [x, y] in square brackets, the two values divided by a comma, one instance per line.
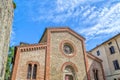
[108, 22]
[63, 5]
[104, 20]
[64, 9]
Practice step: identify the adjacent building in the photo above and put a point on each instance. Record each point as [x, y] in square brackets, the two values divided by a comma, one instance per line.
[109, 52]
[59, 55]
[6, 16]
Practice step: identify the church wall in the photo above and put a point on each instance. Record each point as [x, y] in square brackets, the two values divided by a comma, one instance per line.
[95, 65]
[37, 56]
[57, 58]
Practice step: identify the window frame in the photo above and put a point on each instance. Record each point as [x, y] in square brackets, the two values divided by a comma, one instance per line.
[98, 53]
[116, 65]
[112, 49]
[34, 72]
[29, 71]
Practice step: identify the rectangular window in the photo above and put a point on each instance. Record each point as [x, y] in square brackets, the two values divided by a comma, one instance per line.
[29, 71]
[98, 53]
[112, 50]
[116, 64]
[34, 71]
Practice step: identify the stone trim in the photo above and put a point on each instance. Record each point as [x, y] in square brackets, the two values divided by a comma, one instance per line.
[86, 61]
[67, 30]
[61, 48]
[47, 58]
[71, 64]
[94, 57]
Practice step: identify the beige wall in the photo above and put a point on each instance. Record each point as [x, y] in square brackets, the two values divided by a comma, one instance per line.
[112, 57]
[58, 59]
[108, 58]
[103, 56]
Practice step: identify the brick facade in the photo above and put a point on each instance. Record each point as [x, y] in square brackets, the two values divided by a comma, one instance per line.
[52, 59]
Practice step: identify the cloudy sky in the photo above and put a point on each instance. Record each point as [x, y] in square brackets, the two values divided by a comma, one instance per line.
[96, 20]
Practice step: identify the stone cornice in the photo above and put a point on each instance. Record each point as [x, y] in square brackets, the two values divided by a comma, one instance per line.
[32, 47]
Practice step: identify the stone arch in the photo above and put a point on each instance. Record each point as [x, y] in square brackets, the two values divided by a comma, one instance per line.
[35, 69]
[69, 71]
[71, 64]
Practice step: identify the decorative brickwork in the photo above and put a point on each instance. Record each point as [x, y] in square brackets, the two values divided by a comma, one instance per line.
[51, 58]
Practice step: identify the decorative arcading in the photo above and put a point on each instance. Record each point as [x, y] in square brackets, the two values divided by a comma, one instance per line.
[32, 48]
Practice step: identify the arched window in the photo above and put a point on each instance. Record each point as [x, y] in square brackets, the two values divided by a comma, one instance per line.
[29, 71]
[69, 73]
[34, 71]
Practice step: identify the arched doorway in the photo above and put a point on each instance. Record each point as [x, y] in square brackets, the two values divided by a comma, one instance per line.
[69, 73]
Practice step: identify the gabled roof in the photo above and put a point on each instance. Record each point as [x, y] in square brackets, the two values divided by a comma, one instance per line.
[63, 29]
[93, 57]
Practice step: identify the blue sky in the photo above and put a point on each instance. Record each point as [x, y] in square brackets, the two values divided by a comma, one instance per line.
[96, 20]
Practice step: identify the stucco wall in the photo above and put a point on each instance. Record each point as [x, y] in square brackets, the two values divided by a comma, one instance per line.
[112, 57]
[108, 58]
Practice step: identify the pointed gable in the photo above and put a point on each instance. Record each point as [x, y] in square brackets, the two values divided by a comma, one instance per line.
[62, 29]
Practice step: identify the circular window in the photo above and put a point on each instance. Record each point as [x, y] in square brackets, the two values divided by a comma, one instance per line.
[68, 49]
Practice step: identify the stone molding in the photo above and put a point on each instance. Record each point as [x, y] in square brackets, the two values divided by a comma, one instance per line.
[93, 57]
[61, 48]
[69, 63]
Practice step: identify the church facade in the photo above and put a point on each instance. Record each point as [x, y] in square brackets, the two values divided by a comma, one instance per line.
[59, 55]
